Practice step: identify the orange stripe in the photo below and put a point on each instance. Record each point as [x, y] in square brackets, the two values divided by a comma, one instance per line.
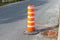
[31, 24]
[30, 14]
[31, 19]
[30, 29]
[30, 10]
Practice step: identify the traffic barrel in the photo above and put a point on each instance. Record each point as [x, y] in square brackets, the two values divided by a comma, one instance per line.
[30, 18]
[30, 21]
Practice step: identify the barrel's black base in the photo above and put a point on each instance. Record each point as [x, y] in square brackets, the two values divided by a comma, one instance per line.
[31, 33]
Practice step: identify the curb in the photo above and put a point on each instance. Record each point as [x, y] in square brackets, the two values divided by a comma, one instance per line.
[11, 4]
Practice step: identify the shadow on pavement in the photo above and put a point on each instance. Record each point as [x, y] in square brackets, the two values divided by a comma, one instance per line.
[48, 28]
[17, 11]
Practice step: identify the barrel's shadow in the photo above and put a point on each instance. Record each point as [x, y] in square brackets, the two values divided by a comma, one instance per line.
[48, 28]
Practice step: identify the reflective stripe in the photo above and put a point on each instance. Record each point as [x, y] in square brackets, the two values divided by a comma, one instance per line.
[30, 7]
[30, 12]
[30, 16]
[30, 26]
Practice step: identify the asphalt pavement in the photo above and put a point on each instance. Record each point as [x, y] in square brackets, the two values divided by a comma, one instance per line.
[13, 18]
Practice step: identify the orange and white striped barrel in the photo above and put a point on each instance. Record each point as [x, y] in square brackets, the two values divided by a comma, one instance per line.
[30, 19]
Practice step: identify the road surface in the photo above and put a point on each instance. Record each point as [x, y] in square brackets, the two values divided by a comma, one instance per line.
[13, 18]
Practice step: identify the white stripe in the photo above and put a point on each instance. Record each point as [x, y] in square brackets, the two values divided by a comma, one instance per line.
[30, 12]
[30, 21]
[29, 26]
[30, 16]
[30, 7]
